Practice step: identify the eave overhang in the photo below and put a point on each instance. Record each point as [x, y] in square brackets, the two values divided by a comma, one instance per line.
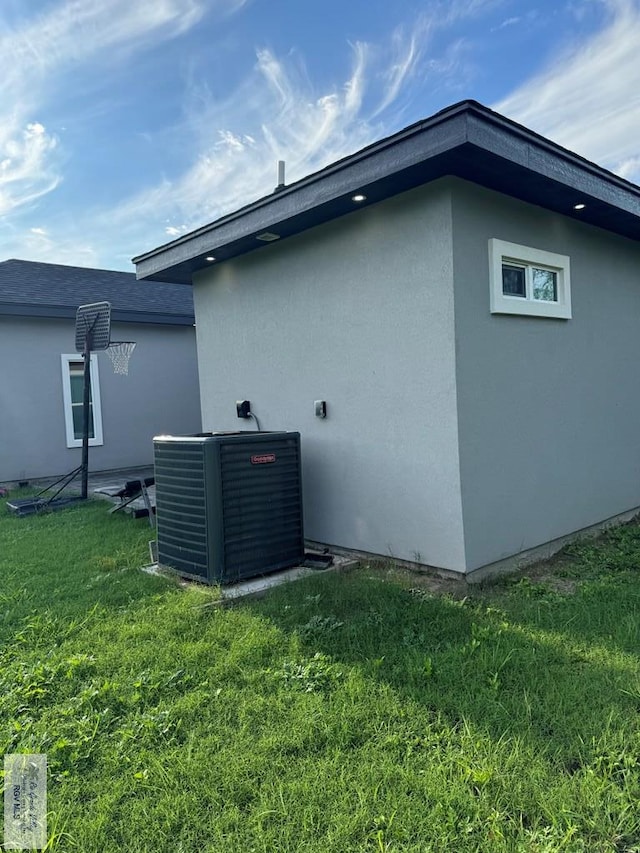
[17, 309]
[466, 140]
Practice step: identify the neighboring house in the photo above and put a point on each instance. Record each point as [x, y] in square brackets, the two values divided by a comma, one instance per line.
[41, 374]
[465, 296]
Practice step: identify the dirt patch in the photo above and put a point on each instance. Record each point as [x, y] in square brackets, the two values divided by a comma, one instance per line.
[417, 579]
[556, 574]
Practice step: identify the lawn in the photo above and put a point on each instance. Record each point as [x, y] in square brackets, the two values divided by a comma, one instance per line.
[346, 712]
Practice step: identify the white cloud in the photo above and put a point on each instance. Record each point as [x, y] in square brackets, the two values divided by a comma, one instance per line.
[281, 119]
[277, 114]
[629, 168]
[509, 22]
[407, 52]
[67, 35]
[231, 144]
[26, 168]
[61, 247]
[588, 98]
[227, 138]
[72, 31]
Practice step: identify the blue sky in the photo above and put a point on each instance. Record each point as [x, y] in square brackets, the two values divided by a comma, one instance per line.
[124, 123]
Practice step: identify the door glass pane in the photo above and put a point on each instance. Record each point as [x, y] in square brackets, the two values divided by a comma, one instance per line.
[545, 285]
[513, 280]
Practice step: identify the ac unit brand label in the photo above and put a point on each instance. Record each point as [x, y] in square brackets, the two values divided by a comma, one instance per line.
[263, 458]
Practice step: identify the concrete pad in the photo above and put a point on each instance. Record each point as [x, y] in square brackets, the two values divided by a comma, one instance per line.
[260, 585]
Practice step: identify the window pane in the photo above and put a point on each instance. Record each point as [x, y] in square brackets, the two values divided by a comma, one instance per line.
[77, 386]
[77, 422]
[545, 285]
[513, 280]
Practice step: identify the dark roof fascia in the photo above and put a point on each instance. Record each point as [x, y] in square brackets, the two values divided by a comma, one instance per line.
[466, 140]
[307, 196]
[499, 135]
[363, 166]
[66, 313]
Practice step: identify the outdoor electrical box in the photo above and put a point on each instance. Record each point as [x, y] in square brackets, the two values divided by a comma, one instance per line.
[228, 504]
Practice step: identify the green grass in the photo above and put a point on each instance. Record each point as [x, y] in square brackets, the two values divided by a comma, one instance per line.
[346, 712]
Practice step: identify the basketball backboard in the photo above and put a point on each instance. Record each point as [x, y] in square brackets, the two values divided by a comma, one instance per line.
[94, 319]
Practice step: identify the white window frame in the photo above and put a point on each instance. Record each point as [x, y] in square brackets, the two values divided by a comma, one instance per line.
[72, 441]
[501, 252]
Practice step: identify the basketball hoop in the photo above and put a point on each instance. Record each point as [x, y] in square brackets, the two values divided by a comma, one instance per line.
[120, 352]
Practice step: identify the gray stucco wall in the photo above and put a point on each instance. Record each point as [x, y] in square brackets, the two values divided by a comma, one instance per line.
[358, 312]
[160, 394]
[549, 410]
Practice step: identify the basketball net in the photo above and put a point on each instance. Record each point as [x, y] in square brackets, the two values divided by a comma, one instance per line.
[120, 352]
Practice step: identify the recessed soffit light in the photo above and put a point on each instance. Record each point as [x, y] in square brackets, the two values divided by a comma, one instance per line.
[358, 198]
[580, 206]
[268, 237]
[210, 258]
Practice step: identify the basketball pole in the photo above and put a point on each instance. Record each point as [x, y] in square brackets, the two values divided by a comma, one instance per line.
[86, 392]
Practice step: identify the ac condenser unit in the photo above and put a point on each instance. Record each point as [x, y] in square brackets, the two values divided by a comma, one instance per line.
[228, 504]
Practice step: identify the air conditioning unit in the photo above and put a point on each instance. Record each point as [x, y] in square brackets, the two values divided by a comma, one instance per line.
[228, 504]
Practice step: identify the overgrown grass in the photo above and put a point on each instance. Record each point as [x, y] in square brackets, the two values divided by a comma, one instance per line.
[346, 712]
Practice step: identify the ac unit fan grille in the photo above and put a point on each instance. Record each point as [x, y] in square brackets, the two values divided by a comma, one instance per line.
[181, 508]
[262, 520]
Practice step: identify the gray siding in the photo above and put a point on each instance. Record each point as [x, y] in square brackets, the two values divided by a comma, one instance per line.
[549, 410]
[160, 394]
[357, 312]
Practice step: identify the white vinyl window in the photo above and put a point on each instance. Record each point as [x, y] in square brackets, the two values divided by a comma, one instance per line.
[528, 281]
[72, 392]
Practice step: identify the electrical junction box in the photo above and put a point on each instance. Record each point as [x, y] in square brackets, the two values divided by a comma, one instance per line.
[229, 504]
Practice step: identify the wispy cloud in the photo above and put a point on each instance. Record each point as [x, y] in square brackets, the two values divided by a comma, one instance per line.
[72, 31]
[508, 22]
[26, 170]
[405, 61]
[33, 55]
[58, 246]
[588, 97]
[226, 146]
[629, 168]
[277, 114]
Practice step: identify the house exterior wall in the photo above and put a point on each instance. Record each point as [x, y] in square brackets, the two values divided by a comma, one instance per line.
[549, 410]
[160, 394]
[357, 312]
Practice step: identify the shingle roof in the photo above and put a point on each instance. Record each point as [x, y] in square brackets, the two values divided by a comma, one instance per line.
[31, 288]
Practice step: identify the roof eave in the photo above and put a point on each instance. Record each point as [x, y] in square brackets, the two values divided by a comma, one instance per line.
[466, 140]
[64, 312]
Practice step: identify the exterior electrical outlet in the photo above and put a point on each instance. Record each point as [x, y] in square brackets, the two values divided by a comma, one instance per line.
[243, 408]
[229, 504]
